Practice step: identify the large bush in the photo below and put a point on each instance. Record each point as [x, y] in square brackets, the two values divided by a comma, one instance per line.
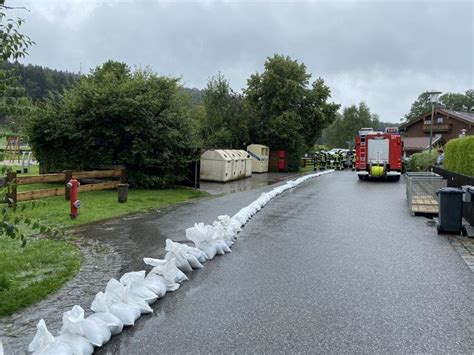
[422, 161]
[116, 117]
[459, 156]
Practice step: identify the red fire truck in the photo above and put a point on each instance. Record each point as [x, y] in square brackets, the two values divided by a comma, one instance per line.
[379, 154]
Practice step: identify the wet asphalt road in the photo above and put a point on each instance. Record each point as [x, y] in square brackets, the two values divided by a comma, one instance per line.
[335, 265]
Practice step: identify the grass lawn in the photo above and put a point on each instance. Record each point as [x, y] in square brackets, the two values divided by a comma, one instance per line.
[31, 273]
[100, 205]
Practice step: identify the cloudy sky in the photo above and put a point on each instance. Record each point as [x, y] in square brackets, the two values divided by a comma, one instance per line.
[382, 52]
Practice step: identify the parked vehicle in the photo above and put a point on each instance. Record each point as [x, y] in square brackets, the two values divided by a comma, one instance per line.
[379, 154]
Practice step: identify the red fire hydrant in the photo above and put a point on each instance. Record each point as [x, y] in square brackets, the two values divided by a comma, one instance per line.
[73, 186]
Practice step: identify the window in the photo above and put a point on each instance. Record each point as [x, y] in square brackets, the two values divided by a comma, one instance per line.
[439, 120]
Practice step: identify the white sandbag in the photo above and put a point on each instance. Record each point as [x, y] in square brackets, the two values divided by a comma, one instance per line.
[231, 226]
[194, 262]
[79, 344]
[113, 322]
[222, 247]
[201, 236]
[139, 276]
[155, 283]
[74, 323]
[186, 257]
[115, 290]
[44, 343]
[168, 285]
[128, 314]
[181, 262]
[137, 286]
[167, 269]
[1, 348]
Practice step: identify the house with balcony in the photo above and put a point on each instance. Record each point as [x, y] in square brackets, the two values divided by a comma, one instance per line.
[447, 125]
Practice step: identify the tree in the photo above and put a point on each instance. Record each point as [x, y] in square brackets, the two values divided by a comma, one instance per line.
[13, 45]
[117, 117]
[223, 124]
[346, 126]
[450, 101]
[285, 111]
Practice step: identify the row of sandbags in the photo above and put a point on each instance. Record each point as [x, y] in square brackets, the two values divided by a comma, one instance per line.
[125, 300]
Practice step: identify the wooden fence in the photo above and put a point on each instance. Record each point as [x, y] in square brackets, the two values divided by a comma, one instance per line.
[12, 181]
[457, 180]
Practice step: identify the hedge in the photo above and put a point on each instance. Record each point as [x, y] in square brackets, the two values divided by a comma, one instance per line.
[459, 156]
[422, 161]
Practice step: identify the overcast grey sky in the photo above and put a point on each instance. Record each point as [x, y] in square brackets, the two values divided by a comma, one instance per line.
[382, 52]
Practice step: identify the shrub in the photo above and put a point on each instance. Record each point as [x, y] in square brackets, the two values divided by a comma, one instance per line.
[459, 156]
[117, 117]
[422, 161]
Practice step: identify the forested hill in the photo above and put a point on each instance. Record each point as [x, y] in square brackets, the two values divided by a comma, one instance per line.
[38, 81]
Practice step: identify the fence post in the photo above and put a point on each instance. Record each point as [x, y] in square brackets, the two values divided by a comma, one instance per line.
[123, 176]
[67, 177]
[11, 182]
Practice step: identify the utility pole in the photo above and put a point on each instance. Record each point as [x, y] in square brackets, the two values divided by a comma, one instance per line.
[434, 99]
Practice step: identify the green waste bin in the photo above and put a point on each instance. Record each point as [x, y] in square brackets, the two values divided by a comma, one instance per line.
[450, 211]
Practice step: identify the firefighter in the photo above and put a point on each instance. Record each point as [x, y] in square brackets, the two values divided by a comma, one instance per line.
[353, 159]
[323, 157]
[317, 160]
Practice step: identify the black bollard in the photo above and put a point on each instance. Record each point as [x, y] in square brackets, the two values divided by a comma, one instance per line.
[122, 192]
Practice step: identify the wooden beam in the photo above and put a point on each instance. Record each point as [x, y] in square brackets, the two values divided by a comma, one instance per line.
[100, 186]
[37, 194]
[97, 174]
[25, 180]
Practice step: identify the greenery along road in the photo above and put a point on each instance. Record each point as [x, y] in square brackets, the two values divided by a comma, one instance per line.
[29, 274]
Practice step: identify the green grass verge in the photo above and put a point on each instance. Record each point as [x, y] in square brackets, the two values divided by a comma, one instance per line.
[31, 273]
[101, 205]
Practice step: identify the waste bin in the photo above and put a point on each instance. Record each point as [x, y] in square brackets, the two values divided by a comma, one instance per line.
[450, 211]
[122, 192]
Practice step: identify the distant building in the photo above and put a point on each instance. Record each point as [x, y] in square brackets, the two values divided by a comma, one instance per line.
[447, 125]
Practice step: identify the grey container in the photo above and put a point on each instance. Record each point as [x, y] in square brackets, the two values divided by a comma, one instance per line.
[450, 211]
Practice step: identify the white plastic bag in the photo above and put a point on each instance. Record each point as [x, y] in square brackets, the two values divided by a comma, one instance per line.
[44, 343]
[116, 291]
[127, 313]
[167, 269]
[74, 323]
[138, 288]
[156, 284]
[113, 322]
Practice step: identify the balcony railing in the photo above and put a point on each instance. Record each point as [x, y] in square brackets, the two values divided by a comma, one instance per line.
[437, 128]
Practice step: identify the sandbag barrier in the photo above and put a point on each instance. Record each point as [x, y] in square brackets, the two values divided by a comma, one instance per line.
[125, 300]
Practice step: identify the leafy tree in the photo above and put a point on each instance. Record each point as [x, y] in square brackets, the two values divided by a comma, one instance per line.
[223, 124]
[285, 111]
[451, 101]
[117, 117]
[14, 45]
[346, 126]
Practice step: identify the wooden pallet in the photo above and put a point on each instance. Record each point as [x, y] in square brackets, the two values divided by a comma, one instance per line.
[424, 205]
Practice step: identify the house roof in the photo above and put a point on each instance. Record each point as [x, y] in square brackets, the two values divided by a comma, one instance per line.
[467, 117]
[418, 143]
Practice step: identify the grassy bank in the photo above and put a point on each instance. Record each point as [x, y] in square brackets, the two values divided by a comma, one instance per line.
[101, 205]
[29, 274]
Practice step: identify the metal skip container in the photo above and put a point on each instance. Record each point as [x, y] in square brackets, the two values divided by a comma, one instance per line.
[247, 162]
[450, 211]
[217, 165]
[260, 155]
